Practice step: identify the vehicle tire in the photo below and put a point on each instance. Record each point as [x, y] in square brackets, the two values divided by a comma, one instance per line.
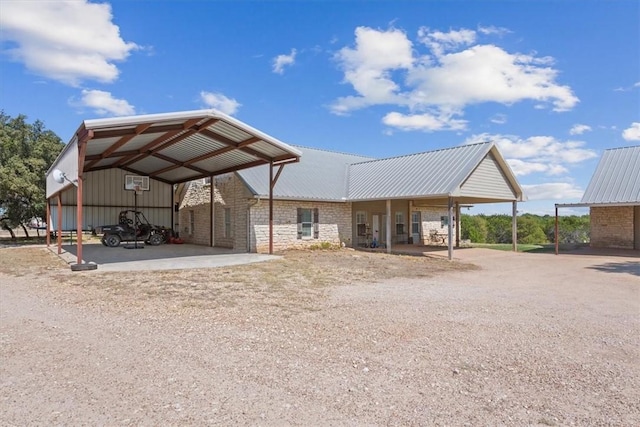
[111, 240]
[156, 239]
[103, 242]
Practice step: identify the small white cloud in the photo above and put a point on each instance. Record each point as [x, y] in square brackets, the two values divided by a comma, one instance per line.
[493, 30]
[423, 122]
[104, 104]
[579, 129]
[67, 41]
[521, 167]
[220, 102]
[282, 61]
[499, 119]
[552, 191]
[440, 42]
[632, 133]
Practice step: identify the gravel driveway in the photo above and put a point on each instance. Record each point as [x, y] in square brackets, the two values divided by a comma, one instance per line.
[526, 339]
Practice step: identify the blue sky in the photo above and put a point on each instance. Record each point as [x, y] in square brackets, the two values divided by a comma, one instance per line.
[554, 83]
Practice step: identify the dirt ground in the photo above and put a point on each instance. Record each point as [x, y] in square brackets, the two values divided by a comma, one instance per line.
[324, 338]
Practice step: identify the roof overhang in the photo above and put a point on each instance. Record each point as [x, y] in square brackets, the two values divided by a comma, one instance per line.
[598, 205]
[173, 147]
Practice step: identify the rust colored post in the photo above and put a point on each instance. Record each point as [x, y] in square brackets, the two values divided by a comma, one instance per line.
[556, 231]
[271, 208]
[457, 221]
[59, 223]
[48, 221]
[79, 221]
[450, 228]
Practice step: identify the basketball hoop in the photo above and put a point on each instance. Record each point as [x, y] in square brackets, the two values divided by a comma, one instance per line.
[137, 189]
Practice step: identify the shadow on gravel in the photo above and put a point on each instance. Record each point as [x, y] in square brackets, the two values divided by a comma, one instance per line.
[629, 267]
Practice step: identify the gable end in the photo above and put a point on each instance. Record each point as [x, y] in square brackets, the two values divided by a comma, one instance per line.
[488, 181]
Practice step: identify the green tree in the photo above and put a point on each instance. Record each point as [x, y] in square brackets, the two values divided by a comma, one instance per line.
[531, 230]
[499, 229]
[26, 152]
[474, 228]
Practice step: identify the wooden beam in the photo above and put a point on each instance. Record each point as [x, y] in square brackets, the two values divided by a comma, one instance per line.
[122, 141]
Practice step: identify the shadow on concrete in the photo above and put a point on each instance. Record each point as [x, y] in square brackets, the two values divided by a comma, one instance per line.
[628, 267]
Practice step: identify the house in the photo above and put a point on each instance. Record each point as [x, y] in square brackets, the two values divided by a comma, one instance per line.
[343, 199]
[613, 198]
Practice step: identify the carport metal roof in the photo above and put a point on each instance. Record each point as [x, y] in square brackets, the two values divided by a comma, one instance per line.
[169, 147]
[175, 147]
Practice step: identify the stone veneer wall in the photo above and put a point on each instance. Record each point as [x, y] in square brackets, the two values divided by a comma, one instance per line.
[235, 196]
[334, 224]
[612, 227]
[198, 200]
[430, 218]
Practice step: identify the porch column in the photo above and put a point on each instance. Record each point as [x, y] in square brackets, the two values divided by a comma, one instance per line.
[212, 210]
[457, 225]
[389, 226]
[450, 230]
[514, 226]
[79, 220]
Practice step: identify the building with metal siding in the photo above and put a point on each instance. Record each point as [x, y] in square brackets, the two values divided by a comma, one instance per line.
[613, 197]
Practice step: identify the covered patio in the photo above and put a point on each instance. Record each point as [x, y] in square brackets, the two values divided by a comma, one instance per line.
[167, 149]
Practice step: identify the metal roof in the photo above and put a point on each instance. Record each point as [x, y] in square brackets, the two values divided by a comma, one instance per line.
[329, 176]
[321, 175]
[176, 147]
[437, 173]
[616, 179]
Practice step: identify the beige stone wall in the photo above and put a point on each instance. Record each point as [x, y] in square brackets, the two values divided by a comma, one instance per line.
[197, 200]
[612, 227]
[233, 194]
[334, 225]
[431, 221]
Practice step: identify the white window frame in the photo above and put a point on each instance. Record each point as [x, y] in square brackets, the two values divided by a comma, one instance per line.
[400, 221]
[308, 224]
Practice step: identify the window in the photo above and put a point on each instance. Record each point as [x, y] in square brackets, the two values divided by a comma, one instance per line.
[399, 223]
[192, 222]
[227, 222]
[361, 223]
[308, 223]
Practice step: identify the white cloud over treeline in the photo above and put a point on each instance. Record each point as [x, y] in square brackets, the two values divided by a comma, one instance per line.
[428, 82]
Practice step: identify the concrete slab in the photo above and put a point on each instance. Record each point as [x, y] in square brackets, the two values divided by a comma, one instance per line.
[163, 257]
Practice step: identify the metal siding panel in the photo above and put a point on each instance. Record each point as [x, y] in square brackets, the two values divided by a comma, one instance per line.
[416, 175]
[225, 161]
[229, 131]
[149, 165]
[191, 147]
[616, 178]
[178, 174]
[488, 181]
[98, 146]
[138, 142]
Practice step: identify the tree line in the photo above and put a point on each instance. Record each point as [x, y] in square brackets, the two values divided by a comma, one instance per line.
[532, 229]
[26, 152]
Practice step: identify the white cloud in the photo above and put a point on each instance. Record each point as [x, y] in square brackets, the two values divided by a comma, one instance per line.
[220, 102]
[632, 133]
[537, 154]
[281, 61]
[552, 190]
[579, 129]
[493, 30]
[423, 122]
[104, 104]
[384, 67]
[68, 41]
[499, 119]
[369, 65]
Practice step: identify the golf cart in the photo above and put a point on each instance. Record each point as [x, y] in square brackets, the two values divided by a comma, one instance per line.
[132, 226]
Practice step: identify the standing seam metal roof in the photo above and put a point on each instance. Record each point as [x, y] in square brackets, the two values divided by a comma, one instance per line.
[330, 176]
[616, 179]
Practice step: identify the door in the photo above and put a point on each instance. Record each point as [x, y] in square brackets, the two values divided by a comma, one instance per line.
[636, 227]
[415, 227]
[375, 227]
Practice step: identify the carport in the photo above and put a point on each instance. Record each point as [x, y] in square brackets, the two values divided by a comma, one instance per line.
[168, 148]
